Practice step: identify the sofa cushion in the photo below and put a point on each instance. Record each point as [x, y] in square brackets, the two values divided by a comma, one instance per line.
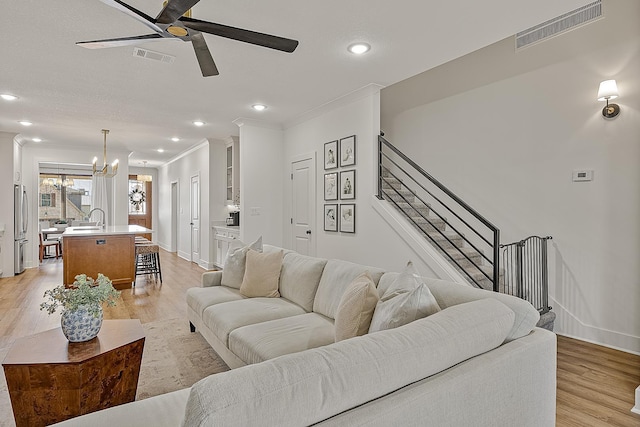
[234, 264]
[267, 340]
[355, 310]
[299, 278]
[198, 299]
[221, 319]
[448, 294]
[335, 278]
[322, 382]
[262, 274]
[405, 300]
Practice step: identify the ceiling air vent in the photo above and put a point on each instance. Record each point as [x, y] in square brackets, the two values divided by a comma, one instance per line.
[563, 23]
[156, 56]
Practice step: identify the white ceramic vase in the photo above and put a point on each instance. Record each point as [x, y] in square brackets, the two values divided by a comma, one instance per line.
[80, 325]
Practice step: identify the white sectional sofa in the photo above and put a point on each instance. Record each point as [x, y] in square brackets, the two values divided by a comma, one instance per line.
[480, 361]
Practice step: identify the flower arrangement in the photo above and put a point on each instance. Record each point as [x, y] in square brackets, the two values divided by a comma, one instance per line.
[84, 293]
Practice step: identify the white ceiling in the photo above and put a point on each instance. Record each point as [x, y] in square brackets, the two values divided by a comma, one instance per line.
[71, 93]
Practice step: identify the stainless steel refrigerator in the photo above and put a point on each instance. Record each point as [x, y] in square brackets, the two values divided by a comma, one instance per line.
[21, 222]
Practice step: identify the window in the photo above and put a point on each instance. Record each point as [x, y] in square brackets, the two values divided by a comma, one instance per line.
[48, 200]
[64, 197]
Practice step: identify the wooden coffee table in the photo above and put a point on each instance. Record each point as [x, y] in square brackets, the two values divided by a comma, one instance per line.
[51, 380]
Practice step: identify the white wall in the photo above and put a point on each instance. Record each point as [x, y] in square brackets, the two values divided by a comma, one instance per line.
[508, 146]
[374, 242]
[192, 162]
[261, 182]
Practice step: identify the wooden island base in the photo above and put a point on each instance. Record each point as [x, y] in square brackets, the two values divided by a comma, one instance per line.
[91, 251]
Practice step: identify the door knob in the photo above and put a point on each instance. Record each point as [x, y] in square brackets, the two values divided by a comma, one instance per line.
[308, 231]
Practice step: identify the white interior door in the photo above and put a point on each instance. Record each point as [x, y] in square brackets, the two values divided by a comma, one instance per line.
[303, 184]
[175, 214]
[195, 218]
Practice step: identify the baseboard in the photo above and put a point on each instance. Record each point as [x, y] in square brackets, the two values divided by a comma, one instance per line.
[184, 255]
[636, 409]
[206, 265]
[567, 324]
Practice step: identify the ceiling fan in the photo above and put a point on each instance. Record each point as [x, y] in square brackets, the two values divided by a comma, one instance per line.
[170, 23]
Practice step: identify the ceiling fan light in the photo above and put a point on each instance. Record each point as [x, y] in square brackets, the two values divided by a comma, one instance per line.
[359, 48]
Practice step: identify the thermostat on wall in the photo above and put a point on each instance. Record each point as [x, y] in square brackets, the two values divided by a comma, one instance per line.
[583, 175]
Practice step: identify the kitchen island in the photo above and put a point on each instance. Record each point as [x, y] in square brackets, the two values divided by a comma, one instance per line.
[93, 249]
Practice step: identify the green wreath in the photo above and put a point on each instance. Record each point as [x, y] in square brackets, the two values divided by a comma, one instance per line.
[137, 197]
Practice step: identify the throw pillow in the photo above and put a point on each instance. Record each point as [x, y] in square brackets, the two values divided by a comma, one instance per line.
[355, 309]
[262, 274]
[406, 300]
[234, 265]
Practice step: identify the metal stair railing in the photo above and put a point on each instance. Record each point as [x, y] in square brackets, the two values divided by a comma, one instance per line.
[395, 167]
[526, 271]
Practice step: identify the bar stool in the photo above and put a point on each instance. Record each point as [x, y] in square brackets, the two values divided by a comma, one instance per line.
[147, 260]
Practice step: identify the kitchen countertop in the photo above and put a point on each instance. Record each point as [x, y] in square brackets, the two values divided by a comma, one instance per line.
[99, 231]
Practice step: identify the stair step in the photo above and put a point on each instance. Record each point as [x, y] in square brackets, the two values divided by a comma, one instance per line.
[416, 208]
[403, 196]
[430, 223]
[389, 183]
[472, 258]
[454, 239]
[481, 278]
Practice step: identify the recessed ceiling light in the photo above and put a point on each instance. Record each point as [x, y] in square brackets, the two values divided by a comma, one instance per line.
[359, 48]
[8, 97]
[259, 107]
[198, 123]
[25, 123]
[36, 140]
[175, 139]
[160, 150]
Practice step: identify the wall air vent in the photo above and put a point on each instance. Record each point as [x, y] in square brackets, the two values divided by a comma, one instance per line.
[563, 23]
[156, 56]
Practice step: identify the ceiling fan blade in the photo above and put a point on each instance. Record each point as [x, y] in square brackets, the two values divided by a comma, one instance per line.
[174, 10]
[247, 36]
[207, 65]
[134, 13]
[122, 41]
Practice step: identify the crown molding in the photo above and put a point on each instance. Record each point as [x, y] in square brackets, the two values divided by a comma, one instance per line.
[356, 95]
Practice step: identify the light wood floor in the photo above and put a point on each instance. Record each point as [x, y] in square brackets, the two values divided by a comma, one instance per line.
[595, 384]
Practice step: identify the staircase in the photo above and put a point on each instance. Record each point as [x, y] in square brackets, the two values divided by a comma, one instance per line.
[467, 259]
[461, 235]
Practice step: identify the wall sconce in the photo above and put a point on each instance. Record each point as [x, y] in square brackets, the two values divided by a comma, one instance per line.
[609, 90]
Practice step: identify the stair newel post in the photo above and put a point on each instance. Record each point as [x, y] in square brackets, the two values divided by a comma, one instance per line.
[496, 260]
[380, 167]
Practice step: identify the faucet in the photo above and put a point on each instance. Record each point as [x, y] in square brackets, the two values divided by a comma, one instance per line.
[103, 222]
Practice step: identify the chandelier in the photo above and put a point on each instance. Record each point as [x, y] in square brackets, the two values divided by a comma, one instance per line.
[105, 166]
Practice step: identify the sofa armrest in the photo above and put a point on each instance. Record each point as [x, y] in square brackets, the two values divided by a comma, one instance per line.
[211, 278]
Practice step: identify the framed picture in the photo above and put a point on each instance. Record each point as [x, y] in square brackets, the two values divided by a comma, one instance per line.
[331, 186]
[348, 185]
[348, 218]
[330, 217]
[348, 151]
[331, 155]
